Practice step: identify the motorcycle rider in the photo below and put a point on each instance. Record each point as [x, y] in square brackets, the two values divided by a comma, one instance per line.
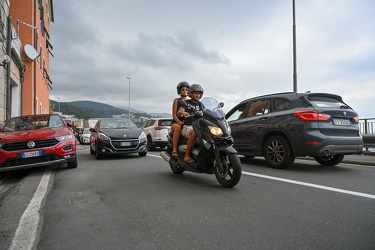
[186, 108]
[178, 121]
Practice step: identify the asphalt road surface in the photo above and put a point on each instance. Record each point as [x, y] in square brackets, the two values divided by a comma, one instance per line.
[134, 202]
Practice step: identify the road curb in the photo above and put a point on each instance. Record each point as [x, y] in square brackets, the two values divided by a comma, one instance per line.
[366, 159]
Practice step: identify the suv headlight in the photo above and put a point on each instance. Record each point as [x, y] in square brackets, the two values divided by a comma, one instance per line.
[64, 137]
[103, 137]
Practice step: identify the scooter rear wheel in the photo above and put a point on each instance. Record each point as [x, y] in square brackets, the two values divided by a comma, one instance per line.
[231, 172]
[175, 167]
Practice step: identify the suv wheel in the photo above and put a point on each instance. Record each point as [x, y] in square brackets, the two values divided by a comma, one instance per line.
[150, 144]
[329, 160]
[72, 164]
[277, 152]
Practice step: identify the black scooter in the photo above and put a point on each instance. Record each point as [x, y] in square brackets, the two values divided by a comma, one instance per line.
[213, 151]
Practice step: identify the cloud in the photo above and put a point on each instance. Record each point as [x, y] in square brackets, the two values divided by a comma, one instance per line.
[236, 50]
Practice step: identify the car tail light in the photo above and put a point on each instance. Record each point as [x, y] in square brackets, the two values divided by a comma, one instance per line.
[311, 115]
[160, 127]
[356, 119]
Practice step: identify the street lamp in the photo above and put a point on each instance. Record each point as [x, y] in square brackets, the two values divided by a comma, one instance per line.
[59, 104]
[294, 50]
[129, 95]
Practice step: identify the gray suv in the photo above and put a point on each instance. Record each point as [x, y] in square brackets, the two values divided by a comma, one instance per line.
[283, 126]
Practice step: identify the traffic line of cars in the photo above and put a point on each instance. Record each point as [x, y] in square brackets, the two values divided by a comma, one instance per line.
[278, 127]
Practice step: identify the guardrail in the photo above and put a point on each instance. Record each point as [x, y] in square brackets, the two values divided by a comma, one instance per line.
[366, 127]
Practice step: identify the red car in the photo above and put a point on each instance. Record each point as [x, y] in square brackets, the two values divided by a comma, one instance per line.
[36, 140]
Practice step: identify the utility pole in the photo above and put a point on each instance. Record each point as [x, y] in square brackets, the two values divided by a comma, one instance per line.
[294, 51]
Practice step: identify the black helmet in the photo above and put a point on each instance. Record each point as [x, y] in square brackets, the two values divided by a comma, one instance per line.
[195, 88]
[180, 85]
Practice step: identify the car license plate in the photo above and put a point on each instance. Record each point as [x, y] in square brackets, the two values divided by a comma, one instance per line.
[341, 122]
[125, 143]
[31, 154]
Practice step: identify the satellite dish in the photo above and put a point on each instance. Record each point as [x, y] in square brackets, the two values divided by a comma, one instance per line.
[30, 52]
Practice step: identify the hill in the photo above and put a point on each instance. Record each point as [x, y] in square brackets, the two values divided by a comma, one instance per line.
[90, 109]
[87, 109]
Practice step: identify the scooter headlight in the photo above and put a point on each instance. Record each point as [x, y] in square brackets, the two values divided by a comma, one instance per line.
[215, 130]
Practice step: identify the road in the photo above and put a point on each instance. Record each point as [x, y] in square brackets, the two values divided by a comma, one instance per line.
[134, 202]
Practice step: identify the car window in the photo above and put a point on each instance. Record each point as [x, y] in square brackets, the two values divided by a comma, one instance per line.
[165, 122]
[55, 122]
[237, 114]
[281, 104]
[149, 123]
[256, 108]
[117, 124]
[34, 122]
[326, 102]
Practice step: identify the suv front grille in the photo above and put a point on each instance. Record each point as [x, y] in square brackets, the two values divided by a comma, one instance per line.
[44, 143]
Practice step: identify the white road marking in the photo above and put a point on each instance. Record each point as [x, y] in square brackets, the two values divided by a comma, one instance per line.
[27, 230]
[157, 156]
[338, 190]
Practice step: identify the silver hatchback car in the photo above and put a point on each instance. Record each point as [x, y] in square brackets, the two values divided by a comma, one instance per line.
[84, 138]
[156, 130]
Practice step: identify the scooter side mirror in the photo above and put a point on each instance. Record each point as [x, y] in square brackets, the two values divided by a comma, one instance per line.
[221, 104]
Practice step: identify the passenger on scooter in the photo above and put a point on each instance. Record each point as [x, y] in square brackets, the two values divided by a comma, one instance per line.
[178, 121]
[186, 108]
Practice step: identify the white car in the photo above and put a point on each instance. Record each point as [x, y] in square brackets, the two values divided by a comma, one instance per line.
[156, 130]
[84, 138]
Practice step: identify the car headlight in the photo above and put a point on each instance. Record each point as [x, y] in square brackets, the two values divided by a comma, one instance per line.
[142, 136]
[215, 130]
[64, 137]
[103, 137]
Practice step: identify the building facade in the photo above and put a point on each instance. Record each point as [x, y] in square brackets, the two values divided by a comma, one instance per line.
[25, 81]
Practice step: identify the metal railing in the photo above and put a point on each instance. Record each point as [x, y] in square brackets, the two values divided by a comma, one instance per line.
[366, 127]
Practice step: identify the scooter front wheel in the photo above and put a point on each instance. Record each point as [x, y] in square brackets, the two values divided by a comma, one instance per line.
[230, 173]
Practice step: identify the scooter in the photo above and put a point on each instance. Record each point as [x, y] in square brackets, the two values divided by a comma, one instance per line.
[213, 151]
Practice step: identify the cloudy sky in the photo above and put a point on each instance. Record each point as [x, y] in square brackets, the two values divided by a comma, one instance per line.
[234, 49]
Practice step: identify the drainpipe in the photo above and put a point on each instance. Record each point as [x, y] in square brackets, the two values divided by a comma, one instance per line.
[9, 46]
[35, 35]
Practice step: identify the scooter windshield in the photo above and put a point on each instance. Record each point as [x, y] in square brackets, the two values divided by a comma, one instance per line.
[212, 107]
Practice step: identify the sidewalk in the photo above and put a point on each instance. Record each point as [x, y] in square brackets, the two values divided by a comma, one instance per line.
[367, 158]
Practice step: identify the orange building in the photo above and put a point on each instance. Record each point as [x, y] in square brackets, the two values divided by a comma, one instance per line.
[31, 19]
